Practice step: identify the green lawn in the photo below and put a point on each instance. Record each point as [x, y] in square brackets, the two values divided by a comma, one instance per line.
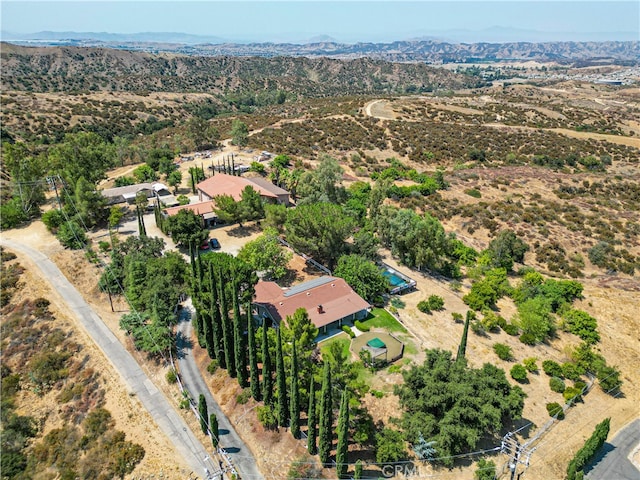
[344, 341]
[379, 317]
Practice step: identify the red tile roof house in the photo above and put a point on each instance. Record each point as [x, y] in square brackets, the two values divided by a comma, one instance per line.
[223, 184]
[330, 302]
[203, 209]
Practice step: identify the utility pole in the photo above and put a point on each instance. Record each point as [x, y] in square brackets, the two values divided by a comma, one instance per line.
[518, 454]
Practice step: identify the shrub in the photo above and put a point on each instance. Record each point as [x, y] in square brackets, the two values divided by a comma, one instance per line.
[551, 368]
[491, 321]
[267, 417]
[52, 219]
[348, 331]
[473, 192]
[244, 396]
[503, 351]
[518, 373]
[397, 303]
[572, 393]
[580, 385]
[571, 371]
[486, 470]
[457, 317]
[511, 329]
[531, 364]
[394, 369]
[71, 235]
[555, 410]
[377, 393]
[477, 328]
[423, 306]
[212, 367]
[556, 384]
[361, 326]
[104, 246]
[436, 302]
[182, 200]
[171, 376]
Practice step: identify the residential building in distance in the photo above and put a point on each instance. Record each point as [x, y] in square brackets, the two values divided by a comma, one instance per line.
[223, 184]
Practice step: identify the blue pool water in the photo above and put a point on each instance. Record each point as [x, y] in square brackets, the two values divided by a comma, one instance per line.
[394, 280]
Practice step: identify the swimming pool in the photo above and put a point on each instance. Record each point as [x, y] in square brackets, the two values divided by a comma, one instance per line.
[399, 283]
[394, 279]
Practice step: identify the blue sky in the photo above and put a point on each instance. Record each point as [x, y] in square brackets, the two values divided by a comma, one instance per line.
[347, 21]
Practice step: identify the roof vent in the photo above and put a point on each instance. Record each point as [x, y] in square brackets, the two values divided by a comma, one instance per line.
[308, 293]
[333, 284]
[320, 309]
[281, 303]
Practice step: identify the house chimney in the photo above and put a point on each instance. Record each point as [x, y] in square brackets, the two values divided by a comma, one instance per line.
[320, 310]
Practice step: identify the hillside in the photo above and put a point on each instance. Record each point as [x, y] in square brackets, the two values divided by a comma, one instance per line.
[77, 69]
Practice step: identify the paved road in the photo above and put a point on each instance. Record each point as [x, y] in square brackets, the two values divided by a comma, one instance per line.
[241, 456]
[613, 462]
[173, 426]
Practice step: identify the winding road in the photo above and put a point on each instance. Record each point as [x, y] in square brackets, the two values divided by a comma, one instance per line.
[613, 462]
[241, 456]
[171, 424]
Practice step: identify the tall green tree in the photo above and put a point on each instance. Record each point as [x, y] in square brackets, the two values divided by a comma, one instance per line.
[267, 378]
[210, 318]
[343, 435]
[295, 394]
[239, 133]
[362, 275]
[89, 203]
[357, 473]
[311, 419]
[462, 348]
[215, 430]
[505, 249]
[251, 205]
[186, 227]
[325, 427]
[281, 381]
[227, 328]
[254, 375]
[319, 230]
[239, 349]
[203, 413]
[266, 254]
[82, 154]
[227, 209]
[324, 184]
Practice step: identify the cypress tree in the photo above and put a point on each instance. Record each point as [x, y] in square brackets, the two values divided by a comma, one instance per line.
[227, 331]
[295, 394]
[215, 430]
[216, 334]
[311, 420]
[253, 356]
[207, 322]
[281, 380]
[192, 261]
[357, 474]
[267, 380]
[325, 418]
[238, 338]
[343, 435]
[204, 414]
[462, 349]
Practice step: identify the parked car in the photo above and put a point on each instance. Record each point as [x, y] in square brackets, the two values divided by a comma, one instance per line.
[214, 243]
[205, 246]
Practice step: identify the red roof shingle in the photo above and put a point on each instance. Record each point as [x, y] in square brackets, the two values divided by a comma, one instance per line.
[337, 298]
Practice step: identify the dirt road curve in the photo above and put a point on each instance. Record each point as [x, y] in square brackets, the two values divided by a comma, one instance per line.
[379, 109]
[176, 430]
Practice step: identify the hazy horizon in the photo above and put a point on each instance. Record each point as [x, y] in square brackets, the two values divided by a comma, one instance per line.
[348, 22]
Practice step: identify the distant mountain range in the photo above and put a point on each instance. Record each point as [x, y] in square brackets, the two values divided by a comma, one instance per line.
[420, 49]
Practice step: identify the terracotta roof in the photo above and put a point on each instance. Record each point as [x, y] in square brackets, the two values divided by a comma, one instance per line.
[223, 184]
[337, 298]
[267, 185]
[198, 208]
